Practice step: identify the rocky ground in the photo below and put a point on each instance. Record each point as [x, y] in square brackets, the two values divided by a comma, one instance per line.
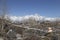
[1, 38]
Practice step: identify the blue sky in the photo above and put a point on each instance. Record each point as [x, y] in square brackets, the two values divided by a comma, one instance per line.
[49, 8]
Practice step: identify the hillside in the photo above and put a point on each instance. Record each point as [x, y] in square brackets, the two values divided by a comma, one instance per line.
[30, 28]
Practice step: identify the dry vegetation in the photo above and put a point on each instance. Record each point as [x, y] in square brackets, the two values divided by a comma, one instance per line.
[30, 34]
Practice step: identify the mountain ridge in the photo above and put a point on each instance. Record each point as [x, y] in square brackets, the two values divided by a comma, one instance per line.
[35, 17]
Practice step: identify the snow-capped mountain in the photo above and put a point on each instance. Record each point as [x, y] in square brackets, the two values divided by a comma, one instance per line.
[36, 17]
